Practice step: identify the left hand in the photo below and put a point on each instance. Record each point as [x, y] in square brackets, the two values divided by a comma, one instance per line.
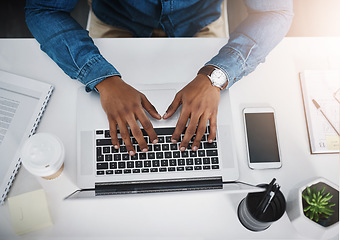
[199, 100]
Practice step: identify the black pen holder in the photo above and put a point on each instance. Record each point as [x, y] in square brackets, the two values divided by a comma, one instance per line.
[254, 220]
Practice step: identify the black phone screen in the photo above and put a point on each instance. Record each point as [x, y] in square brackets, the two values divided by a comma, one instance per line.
[262, 138]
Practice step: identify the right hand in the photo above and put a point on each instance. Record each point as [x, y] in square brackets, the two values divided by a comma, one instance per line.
[124, 106]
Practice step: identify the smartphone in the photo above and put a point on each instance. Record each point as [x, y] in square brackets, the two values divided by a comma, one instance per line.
[261, 138]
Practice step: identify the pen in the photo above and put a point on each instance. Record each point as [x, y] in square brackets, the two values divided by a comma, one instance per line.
[319, 108]
[266, 198]
[272, 195]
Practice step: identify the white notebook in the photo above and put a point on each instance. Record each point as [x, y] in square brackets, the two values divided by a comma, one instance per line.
[22, 104]
[320, 90]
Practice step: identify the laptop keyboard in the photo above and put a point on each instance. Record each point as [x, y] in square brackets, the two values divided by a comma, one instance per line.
[164, 156]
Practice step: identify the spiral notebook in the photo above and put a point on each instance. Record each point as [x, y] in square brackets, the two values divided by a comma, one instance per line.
[22, 104]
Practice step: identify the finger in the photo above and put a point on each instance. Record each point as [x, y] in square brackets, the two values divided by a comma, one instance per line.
[137, 132]
[147, 125]
[125, 134]
[150, 108]
[113, 133]
[213, 127]
[189, 132]
[173, 106]
[180, 126]
[200, 132]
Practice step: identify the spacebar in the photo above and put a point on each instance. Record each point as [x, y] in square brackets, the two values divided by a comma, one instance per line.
[161, 131]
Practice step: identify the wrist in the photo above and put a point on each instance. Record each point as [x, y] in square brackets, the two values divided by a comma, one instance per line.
[107, 83]
[203, 82]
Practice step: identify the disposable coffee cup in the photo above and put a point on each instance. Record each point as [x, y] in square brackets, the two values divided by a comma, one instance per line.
[253, 220]
[43, 155]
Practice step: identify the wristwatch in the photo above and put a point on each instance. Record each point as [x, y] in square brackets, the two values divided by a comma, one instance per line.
[216, 76]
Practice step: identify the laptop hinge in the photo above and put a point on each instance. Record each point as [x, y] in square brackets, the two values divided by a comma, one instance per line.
[163, 185]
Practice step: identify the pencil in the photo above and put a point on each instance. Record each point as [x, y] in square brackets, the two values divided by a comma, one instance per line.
[319, 108]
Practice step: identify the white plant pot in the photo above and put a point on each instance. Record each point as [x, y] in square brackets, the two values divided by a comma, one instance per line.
[303, 224]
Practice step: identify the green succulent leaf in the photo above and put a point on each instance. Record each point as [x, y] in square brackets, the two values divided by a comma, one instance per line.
[323, 190]
[314, 196]
[306, 197]
[311, 215]
[318, 194]
[319, 197]
[307, 208]
[328, 209]
[309, 192]
[328, 198]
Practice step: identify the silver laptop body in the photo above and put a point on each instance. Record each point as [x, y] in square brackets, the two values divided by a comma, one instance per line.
[90, 117]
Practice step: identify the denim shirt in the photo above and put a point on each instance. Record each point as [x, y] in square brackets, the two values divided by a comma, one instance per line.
[70, 46]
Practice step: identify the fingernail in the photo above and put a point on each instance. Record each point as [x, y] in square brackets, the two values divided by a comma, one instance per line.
[159, 116]
[165, 115]
[210, 140]
[173, 140]
[155, 141]
[144, 150]
[116, 147]
[194, 148]
[132, 153]
[182, 148]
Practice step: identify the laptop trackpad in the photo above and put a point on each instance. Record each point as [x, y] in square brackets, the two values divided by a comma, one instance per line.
[161, 100]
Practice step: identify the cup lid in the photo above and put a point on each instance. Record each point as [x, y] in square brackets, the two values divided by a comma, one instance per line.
[43, 154]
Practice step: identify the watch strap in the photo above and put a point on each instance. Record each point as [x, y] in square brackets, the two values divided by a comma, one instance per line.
[206, 70]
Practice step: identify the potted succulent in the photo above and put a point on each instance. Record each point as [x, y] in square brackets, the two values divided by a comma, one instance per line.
[313, 208]
[318, 207]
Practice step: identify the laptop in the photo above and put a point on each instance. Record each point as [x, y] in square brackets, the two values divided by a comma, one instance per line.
[103, 170]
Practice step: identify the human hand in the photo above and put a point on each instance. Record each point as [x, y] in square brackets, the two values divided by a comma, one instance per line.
[124, 106]
[199, 100]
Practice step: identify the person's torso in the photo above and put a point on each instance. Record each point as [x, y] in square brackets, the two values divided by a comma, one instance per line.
[177, 18]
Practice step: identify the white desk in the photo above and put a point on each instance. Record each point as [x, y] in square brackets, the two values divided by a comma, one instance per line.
[188, 215]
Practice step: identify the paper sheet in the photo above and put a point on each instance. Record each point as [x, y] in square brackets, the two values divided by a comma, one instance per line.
[29, 212]
[321, 86]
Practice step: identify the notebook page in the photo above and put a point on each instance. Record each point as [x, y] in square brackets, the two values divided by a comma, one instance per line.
[16, 110]
[320, 86]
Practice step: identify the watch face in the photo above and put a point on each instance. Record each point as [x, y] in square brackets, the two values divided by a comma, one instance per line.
[218, 77]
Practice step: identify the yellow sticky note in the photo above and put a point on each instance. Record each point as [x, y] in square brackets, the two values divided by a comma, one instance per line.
[29, 212]
[332, 142]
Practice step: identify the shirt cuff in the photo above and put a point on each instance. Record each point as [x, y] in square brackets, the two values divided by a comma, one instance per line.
[95, 71]
[232, 58]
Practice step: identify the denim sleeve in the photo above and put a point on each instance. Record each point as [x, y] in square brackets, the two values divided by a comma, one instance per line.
[66, 42]
[267, 23]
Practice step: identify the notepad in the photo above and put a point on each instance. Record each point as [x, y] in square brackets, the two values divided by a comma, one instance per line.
[320, 88]
[29, 212]
[22, 104]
